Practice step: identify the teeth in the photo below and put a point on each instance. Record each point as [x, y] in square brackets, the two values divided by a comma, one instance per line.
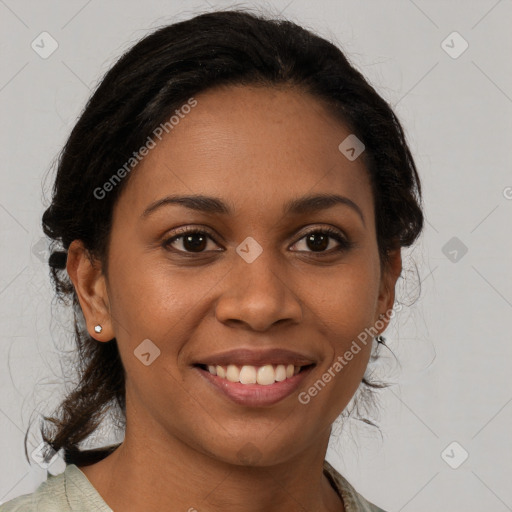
[280, 372]
[266, 375]
[248, 374]
[233, 373]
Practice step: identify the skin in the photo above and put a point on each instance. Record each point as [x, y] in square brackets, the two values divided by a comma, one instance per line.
[255, 148]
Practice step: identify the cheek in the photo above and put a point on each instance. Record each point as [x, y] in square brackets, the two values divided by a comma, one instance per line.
[156, 304]
[346, 299]
[162, 304]
[346, 309]
[345, 314]
[152, 300]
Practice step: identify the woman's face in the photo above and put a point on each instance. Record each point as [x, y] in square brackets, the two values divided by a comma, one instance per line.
[253, 281]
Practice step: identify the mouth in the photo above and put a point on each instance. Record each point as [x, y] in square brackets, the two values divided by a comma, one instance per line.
[254, 386]
[263, 375]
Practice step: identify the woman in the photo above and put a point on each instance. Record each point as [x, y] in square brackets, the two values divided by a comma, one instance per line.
[228, 216]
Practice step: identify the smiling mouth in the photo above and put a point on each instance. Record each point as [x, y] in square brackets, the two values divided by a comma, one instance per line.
[263, 375]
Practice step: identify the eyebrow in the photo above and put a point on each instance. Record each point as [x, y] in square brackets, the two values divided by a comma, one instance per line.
[212, 205]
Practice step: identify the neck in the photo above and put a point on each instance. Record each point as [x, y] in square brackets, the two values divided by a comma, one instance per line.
[146, 473]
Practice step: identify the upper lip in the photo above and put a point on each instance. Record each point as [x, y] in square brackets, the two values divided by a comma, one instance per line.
[241, 357]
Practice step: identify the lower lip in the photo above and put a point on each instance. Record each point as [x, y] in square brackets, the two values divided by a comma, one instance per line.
[255, 395]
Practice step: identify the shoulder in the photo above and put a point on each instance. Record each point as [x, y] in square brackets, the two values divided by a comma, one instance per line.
[352, 500]
[50, 496]
[67, 492]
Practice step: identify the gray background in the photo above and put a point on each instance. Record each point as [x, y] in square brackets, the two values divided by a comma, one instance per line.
[453, 342]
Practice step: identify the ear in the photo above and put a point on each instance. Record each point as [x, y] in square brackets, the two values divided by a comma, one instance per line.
[390, 273]
[90, 285]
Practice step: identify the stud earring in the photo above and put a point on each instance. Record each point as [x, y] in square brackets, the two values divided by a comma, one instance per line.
[98, 328]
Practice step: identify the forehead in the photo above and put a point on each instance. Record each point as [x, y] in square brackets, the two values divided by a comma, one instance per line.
[255, 147]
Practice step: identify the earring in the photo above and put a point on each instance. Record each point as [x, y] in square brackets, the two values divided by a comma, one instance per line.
[98, 328]
[381, 339]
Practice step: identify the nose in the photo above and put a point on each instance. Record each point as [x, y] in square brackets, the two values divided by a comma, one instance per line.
[259, 295]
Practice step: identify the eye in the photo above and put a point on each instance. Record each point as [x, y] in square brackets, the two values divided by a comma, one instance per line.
[319, 240]
[193, 240]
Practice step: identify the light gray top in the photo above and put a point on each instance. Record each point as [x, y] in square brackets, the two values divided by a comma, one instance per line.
[71, 491]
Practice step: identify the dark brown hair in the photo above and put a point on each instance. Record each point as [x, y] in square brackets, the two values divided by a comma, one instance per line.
[151, 80]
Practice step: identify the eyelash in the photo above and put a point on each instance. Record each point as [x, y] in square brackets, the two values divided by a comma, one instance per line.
[344, 244]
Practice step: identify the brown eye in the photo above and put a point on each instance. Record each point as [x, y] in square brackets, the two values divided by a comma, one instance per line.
[319, 240]
[191, 240]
